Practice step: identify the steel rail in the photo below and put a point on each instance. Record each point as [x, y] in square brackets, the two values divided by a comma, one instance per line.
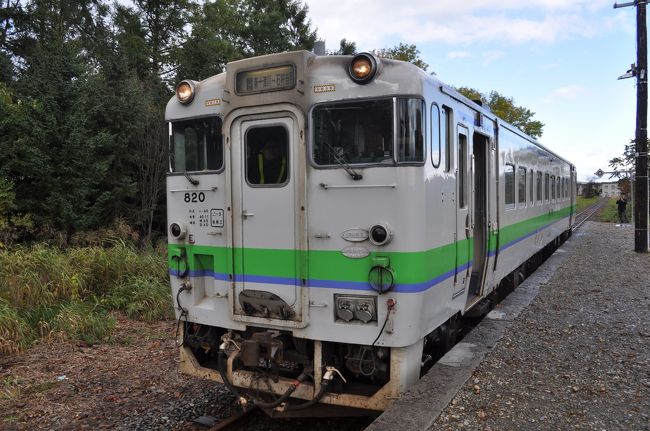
[587, 213]
[235, 421]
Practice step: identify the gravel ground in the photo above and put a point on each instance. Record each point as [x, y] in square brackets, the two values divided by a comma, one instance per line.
[579, 356]
[131, 383]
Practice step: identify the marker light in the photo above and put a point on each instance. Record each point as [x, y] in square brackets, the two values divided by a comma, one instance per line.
[185, 92]
[380, 234]
[177, 231]
[363, 68]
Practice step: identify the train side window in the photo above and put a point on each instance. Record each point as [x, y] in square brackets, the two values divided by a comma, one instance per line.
[521, 186]
[446, 137]
[435, 136]
[410, 130]
[509, 174]
[547, 195]
[552, 187]
[462, 170]
[567, 187]
[540, 197]
[531, 187]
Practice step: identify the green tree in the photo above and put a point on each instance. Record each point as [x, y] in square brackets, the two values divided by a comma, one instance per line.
[505, 108]
[228, 30]
[9, 10]
[50, 151]
[622, 165]
[403, 52]
[147, 37]
[346, 48]
[162, 29]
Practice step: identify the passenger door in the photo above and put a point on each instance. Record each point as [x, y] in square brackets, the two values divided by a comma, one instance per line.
[463, 214]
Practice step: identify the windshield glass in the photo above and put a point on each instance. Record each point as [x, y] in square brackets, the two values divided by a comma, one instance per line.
[359, 132]
[196, 145]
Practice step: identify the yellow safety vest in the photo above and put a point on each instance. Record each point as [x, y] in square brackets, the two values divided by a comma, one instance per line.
[260, 165]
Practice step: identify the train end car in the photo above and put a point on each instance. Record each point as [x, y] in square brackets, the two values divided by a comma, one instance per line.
[330, 219]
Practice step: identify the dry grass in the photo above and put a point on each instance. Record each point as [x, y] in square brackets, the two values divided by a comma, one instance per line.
[48, 291]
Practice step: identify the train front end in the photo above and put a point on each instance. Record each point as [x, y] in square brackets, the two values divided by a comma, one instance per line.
[294, 263]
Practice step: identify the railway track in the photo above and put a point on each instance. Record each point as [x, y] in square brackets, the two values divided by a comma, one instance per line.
[587, 213]
[256, 419]
[236, 421]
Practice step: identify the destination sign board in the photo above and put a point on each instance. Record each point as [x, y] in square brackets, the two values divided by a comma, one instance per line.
[264, 80]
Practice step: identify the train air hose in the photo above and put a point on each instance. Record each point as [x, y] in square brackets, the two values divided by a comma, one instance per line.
[327, 378]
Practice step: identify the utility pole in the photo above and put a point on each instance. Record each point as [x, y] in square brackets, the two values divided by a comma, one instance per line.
[641, 166]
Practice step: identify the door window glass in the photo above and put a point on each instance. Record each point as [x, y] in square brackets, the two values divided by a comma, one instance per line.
[510, 186]
[435, 135]
[446, 126]
[267, 156]
[462, 170]
[531, 188]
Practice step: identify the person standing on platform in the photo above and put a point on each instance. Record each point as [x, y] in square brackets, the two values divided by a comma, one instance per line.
[621, 203]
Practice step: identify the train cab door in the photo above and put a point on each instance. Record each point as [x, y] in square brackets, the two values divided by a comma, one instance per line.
[463, 215]
[265, 149]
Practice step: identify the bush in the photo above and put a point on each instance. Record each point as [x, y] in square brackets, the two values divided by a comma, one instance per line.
[46, 291]
[12, 224]
[142, 298]
[15, 333]
[43, 276]
[83, 321]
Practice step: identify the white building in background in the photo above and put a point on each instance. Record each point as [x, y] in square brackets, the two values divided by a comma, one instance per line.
[606, 190]
[610, 190]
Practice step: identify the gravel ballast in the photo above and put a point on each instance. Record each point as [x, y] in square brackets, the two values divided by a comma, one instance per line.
[579, 356]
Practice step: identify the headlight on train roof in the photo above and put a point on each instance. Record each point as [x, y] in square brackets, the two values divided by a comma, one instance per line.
[185, 92]
[363, 68]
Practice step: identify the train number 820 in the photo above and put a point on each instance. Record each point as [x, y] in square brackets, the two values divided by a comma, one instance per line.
[194, 197]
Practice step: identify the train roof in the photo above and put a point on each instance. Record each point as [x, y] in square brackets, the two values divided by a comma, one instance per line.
[320, 79]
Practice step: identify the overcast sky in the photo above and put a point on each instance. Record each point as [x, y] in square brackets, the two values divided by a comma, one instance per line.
[559, 58]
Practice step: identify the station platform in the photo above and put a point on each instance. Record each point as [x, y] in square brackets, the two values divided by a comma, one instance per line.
[568, 349]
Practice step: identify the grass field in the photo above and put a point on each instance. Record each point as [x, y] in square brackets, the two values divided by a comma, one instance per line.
[51, 292]
[609, 213]
[583, 203]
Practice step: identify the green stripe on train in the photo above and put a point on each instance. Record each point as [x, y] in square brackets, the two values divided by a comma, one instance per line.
[410, 267]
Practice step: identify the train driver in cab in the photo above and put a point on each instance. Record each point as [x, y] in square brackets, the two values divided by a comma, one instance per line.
[269, 165]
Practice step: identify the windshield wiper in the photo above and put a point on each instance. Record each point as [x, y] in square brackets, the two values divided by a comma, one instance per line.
[355, 175]
[192, 181]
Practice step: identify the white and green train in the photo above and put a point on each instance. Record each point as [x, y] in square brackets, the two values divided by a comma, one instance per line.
[331, 216]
